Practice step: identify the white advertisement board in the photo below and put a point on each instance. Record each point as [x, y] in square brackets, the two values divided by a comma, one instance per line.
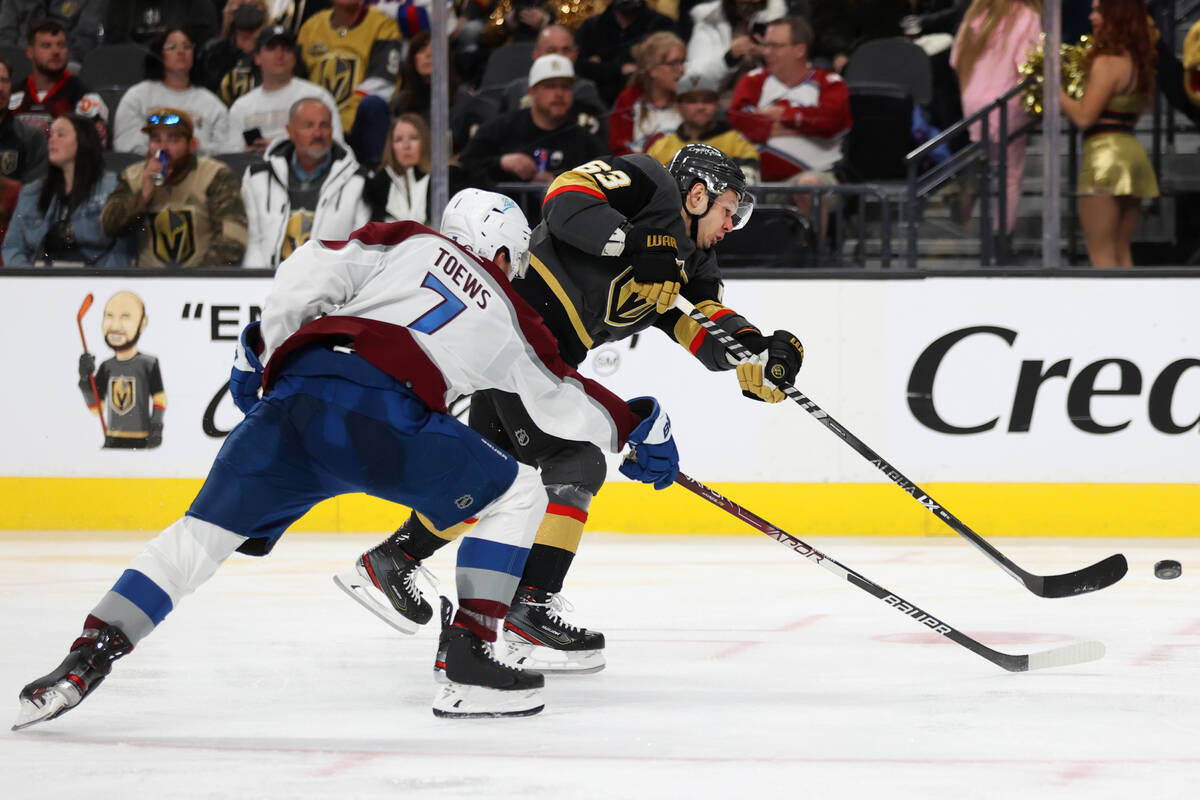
[950, 379]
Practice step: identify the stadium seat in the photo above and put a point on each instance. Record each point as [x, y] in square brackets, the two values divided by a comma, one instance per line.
[775, 236]
[894, 61]
[117, 162]
[115, 65]
[875, 147]
[237, 162]
[16, 58]
[507, 63]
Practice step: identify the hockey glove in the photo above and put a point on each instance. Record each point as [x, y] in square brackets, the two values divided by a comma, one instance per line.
[656, 273]
[154, 436]
[246, 376]
[778, 362]
[653, 457]
[87, 366]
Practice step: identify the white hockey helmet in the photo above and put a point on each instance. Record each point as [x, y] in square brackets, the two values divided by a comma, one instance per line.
[483, 222]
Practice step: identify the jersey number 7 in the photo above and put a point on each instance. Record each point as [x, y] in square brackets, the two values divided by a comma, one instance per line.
[441, 314]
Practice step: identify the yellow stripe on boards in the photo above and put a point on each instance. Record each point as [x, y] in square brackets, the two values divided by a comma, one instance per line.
[827, 509]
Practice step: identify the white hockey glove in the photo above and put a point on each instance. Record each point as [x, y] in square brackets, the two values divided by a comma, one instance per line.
[245, 378]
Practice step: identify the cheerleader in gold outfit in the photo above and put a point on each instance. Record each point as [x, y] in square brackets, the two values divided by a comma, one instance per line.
[1115, 174]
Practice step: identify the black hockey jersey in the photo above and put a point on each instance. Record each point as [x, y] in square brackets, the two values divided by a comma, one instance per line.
[579, 281]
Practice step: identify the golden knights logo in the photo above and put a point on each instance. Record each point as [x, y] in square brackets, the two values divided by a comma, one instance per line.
[299, 230]
[624, 306]
[237, 82]
[174, 236]
[9, 160]
[122, 394]
[336, 73]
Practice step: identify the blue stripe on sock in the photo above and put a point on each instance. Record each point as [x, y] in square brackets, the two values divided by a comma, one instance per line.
[485, 554]
[145, 594]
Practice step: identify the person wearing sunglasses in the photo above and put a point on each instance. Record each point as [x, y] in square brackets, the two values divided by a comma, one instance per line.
[620, 238]
[185, 209]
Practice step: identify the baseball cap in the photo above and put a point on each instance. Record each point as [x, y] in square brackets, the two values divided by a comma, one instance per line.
[172, 118]
[273, 32]
[696, 83]
[550, 66]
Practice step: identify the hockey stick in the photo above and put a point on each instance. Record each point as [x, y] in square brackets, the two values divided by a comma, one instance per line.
[83, 309]
[1077, 653]
[1089, 579]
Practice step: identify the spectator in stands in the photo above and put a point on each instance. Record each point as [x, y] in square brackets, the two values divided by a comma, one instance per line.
[698, 102]
[79, 18]
[354, 52]
[726, 37]
[143, 21]
[795, 113]
[399, 189]
[557, 40]
[260, 117]
[535, 144]
[606, 44]
[170, 66]
[416, 86]
[842, 25]
[57, 221]
[1114, 173]
[22, 149]
[10, 193]
[51, 89]
[992, 43]
[226, 63]
[646, 107]
[517, 21]
[308, 186]
[195, 217]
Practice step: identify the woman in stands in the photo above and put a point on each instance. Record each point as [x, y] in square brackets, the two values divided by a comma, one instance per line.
[416, 83]
[993, 41]
[170, 83]
[57, 221]
[646, 107]
[1115, 174]
[399, 189]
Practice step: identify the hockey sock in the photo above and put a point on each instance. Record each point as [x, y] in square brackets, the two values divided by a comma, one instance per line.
[554, 547]
[420, 538]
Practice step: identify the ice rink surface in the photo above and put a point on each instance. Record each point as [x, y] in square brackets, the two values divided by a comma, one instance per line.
[736, 670]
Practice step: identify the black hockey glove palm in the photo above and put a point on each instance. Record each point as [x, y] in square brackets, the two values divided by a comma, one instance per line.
[87, 366]
[656, 273]
[777, 359]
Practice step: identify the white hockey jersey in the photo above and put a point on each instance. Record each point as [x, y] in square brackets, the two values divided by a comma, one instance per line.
[431, 314]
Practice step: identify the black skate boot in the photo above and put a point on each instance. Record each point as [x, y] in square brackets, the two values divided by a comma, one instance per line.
[84, 668]
[538, 639]
[480, 686]
[384, 582]
[439, 662]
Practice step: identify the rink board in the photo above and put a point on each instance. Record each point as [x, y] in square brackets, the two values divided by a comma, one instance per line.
[1026, 406]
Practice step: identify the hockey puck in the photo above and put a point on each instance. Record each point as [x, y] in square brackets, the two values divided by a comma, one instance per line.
[1167, 569]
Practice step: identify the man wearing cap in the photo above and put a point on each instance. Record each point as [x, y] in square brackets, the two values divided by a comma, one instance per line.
[589, 110]
[536, 143]
[260, 117]
[307, 187]
[194, 217]
[698, 103]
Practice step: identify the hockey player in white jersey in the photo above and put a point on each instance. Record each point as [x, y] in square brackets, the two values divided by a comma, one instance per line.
[362, 345]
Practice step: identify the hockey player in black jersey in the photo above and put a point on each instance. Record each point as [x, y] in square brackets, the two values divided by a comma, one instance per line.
[620, 239]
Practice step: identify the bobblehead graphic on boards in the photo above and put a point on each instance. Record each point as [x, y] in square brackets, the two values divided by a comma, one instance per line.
[127, 390]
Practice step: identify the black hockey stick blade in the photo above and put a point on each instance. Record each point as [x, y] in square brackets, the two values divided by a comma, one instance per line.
[1067, 655]
[1089, 579]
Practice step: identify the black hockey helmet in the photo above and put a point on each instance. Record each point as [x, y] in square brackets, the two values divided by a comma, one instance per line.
[706, 164]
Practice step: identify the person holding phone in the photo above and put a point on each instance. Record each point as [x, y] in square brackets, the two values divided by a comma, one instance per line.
[259, 117]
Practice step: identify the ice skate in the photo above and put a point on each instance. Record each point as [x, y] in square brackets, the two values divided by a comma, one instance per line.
[478, 685]
[538, 639]
[439, 662]
[84, 668]
[384, 582]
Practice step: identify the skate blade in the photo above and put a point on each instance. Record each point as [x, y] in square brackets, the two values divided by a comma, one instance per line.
[461, 701]
[546, 660]
[373, 600]
[48, 704]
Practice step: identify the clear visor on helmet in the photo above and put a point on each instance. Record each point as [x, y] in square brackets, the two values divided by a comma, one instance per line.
[520, 264]
[744, 209]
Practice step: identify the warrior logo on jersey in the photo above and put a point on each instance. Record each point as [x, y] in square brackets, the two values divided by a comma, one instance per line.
[8, 161]
[624, 306]
[122, 395]
[299, 230]
[237, 82]
[336, 73]
[174, 236]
